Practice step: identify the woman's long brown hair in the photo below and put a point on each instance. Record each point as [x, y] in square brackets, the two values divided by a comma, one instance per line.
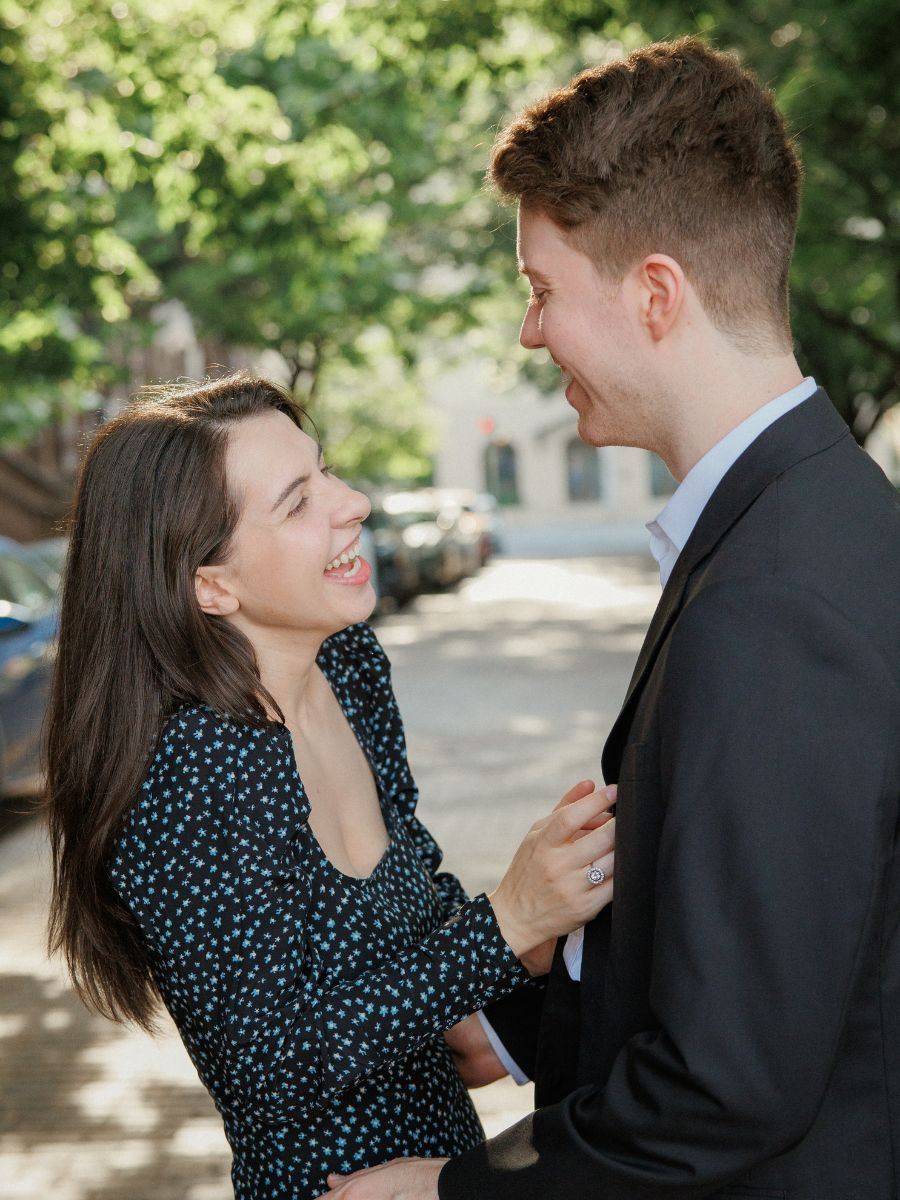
[151, 506]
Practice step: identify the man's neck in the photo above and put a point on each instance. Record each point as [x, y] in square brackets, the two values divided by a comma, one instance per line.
[718, 401]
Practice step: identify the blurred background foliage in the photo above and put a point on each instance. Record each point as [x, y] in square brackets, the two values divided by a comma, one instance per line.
[306, 179]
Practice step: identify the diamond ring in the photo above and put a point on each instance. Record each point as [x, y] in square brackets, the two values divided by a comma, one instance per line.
[595, 874]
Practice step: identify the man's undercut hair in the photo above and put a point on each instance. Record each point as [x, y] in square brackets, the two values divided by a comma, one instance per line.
[674, 150]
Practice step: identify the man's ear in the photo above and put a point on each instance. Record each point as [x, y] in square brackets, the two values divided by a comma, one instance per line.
[213, 597]
[663, 288]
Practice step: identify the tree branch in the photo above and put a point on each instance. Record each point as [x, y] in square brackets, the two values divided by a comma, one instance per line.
[843, 322]
[315, 369]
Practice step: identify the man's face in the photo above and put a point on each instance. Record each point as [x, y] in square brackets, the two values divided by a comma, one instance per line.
[583, 320]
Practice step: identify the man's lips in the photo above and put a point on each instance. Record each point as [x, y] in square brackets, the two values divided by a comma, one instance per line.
[567, 376]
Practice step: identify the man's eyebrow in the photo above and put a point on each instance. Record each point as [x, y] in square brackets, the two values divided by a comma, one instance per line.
[295, 483]
[524, 269]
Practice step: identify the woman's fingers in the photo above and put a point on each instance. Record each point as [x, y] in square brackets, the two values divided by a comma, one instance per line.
[594, 844]
[577, 814]
[579, 792]
[612, 792]
[584, 788]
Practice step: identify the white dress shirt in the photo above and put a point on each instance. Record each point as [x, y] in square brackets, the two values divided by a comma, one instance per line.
[670, 531]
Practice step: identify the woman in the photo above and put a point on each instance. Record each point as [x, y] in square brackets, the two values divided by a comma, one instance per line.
[232, 813]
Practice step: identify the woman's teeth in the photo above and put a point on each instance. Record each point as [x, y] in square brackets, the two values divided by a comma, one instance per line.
[351, 555]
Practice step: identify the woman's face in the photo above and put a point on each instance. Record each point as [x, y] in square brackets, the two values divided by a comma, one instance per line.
[297, 522]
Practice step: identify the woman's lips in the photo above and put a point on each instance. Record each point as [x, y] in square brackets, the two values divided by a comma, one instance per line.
[360, 572]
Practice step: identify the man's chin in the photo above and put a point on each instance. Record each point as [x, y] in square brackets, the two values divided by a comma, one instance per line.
[594, 435]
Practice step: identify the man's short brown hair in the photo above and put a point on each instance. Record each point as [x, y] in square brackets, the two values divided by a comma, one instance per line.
[674, 150]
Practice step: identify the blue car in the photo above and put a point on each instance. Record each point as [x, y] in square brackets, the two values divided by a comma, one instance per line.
[28, 625]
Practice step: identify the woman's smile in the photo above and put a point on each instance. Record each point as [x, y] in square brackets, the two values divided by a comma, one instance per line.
[349, 567]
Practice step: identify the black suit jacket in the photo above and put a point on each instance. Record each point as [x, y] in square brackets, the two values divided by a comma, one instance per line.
[737, 1028]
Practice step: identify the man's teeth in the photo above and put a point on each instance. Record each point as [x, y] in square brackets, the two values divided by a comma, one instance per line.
[343, 559]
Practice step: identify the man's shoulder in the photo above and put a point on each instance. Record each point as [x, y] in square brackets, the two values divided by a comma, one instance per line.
[830, 522]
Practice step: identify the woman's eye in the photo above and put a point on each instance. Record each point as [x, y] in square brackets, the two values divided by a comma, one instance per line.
[301, 503]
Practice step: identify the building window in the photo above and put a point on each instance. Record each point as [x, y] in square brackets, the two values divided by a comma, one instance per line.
[662, 481]
[500, 476]
[583, 471]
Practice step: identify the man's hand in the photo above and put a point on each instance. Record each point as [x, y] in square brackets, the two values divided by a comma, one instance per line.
[473, 1054]
[402, 1179]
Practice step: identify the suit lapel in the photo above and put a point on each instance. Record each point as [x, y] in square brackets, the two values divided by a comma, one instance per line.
[807, 429]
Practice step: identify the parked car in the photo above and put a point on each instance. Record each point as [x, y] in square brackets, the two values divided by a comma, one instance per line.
[425, 530]
[48, 557]
[28, 627]
[399, 577]
[463, 513]
[487, 511]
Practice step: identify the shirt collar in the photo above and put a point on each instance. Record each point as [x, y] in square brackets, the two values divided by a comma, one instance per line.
[677, 520]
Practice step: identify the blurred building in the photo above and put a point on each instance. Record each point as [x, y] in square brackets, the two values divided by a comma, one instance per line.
[523, 446]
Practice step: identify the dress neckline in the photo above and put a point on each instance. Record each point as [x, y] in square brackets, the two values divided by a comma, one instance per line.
[349, 712]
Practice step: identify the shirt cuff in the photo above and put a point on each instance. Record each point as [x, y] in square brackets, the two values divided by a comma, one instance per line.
[500, 1050]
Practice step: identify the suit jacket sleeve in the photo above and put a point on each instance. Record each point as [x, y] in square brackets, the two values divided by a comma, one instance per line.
[778, 735]
[516, 1019]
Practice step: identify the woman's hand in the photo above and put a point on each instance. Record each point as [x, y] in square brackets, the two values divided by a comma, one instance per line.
[545, 892]
[473, 1055]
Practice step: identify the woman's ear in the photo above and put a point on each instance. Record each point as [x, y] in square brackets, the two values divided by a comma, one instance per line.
[213, 597]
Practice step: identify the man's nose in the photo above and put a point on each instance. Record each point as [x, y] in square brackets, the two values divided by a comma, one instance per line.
[530, 334]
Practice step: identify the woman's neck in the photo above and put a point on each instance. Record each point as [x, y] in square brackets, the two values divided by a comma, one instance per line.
[287, 669]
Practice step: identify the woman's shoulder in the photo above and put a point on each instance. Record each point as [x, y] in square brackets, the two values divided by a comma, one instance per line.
[208, 751]
[196, 733]
[356, 654]
[209, 764]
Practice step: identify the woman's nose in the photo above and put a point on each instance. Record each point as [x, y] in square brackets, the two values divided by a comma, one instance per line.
[354, 508]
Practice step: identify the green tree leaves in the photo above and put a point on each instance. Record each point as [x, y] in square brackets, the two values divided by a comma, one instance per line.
[306, 178]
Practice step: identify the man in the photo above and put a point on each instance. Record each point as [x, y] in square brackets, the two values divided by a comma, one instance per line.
[736, 1028]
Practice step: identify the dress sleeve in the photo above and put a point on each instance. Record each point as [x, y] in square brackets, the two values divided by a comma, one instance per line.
[211, 866]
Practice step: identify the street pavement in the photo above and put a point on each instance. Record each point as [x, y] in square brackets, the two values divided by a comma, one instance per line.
[508, 686]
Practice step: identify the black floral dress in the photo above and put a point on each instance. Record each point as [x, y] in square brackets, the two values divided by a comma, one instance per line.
[311, 1002]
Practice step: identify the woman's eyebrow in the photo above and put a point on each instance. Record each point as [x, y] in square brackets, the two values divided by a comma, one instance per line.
[295, 483]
